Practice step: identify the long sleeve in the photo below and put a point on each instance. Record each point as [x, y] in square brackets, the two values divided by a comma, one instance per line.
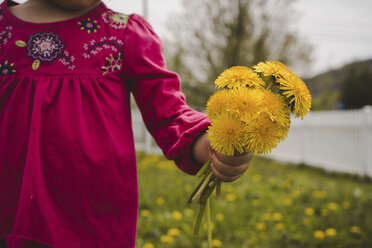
[172, 123]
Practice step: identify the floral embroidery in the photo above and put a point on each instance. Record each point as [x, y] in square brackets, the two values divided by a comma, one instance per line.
[89, 25]
[44, 46]
[5, 35]
[112, 64]
[66, 59]
[6, 69]
[115, 20]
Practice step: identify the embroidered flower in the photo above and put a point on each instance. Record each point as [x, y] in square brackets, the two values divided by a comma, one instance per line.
[5, 34]
[6, 69]
[115, 20]
[112, 64]
[94, 47]
[44, 46]
[66, 59]
[89, 25]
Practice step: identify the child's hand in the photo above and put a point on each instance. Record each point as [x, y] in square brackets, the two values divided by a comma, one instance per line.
[225, 168]
[229, 168]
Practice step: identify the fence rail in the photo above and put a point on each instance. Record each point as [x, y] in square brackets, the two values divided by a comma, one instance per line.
[334, 140]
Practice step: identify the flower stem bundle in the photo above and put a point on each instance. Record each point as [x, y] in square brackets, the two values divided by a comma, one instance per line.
[250, 112]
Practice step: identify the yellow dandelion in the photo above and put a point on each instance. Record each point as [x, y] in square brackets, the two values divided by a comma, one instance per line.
[279, 226]
[189, 212]
[173, 232]
[217, 103]
[277, 216]
[309, 211]
[177, 215]
[333, 206]
[263, 134]
[324, 212]
[167, 239]
[148, 245]
[245, 102]
[227, 134]
[298, 95]
[355, 229]
[160, 200]
[331, 232]
[145, 213]
[238, 76]
[230, 197]
[287, 202]
[216, 243]
[260, 226]
[319, 194]
[271, 68]
[319, 234]
[276, 108]
[255, 202]
[220, 217]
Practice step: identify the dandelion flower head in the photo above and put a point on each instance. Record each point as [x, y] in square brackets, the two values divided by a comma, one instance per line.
[276, 107]
[298, 95]
[271, 68]
[238, 76]
[227, 134]
[246, 102]
[218, 102]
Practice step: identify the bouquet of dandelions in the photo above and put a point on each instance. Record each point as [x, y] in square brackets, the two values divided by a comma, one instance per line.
[250, 112]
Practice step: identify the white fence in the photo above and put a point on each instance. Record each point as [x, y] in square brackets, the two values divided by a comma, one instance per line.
[334, 140]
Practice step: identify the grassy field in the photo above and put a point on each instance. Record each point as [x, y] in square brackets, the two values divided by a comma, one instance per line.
[272, 205]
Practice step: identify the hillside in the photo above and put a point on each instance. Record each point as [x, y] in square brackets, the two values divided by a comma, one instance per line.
[326, 87]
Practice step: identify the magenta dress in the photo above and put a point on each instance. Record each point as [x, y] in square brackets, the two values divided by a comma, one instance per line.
[68, 175]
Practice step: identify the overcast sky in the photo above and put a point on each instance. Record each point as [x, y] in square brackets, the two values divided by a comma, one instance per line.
[340, 30]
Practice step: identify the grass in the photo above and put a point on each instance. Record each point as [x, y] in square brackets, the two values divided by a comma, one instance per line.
[272, 205]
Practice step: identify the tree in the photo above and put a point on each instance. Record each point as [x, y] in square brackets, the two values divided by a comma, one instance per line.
[213, 35]
[356, 89]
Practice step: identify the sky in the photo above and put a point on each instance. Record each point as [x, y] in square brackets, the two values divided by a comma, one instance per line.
[340, 31]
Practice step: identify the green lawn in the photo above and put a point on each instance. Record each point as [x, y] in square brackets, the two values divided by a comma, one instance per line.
[272, 205]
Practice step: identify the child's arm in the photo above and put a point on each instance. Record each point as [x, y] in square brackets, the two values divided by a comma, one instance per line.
[225, 168]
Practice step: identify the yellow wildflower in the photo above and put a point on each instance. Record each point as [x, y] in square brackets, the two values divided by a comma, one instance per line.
[277, 216]
[160, 200]
[324, 212]
[167, 239]
[263, 134]
[238, 76]
[333, 206]
[271, 68]
[295, 90]
[189, 212]
[216, 243]
[279, 226]
[230, 197]
[173, 232]
[227, 134]
[260, 226]
[287, 202]
[217, 103]
[355, 229]
[145, 213]
[177, 215]
[331, 232]
[319, 194]
[309, 211]
[148, 245]
[276, 108]
[220, 217]
[245, 102]
[319, 234]
[255, 202]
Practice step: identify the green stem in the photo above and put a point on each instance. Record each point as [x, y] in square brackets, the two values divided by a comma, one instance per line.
[204, 168]
[197, 189]
[202, 187]
[209, 226]
[199, 219]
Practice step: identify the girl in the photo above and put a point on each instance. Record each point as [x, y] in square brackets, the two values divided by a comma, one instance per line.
[67, 159]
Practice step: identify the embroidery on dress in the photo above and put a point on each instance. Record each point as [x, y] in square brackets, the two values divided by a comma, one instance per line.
[89, 25]
[113, 63]
[5, 35]
[114, 19]
[6, 68]
[45, 47]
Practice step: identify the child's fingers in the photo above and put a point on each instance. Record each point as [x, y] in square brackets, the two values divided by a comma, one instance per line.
[235, 160]
[227, 172]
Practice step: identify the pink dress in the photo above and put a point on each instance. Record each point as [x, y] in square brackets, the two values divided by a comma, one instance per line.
[68, 174]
